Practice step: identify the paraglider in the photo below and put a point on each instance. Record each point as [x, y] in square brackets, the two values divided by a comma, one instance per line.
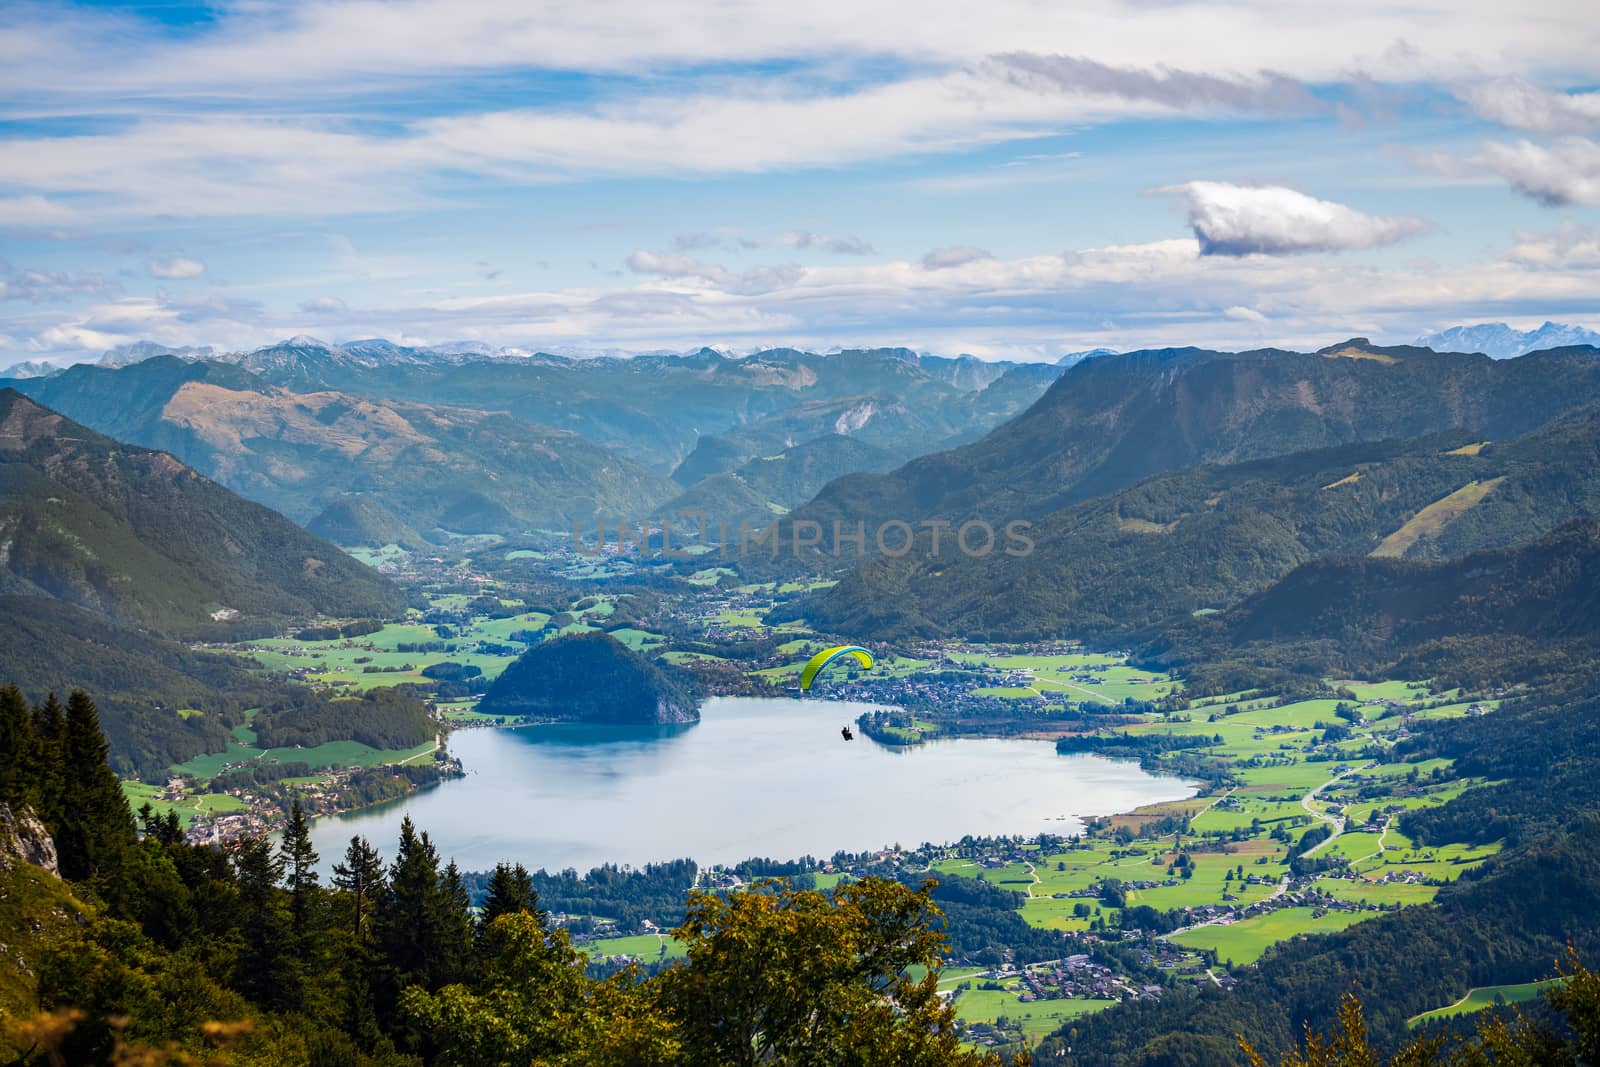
[848, 736]
[827, 656]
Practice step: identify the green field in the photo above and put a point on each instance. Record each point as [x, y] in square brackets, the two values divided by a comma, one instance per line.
[647, 947]
[188, 808]
[1486, 997]
[1037, 1018]
[1248, 939]
[1391, 893]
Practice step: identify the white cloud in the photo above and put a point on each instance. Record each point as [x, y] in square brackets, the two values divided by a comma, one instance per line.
[43, 286]
[1183, 90]
[776, 125]
[1244, 314]
[1557, 175]
[241, 165]
[954, 256]
[676, 266]
[1024, 72]
[694, 242]
[318, 305]
[1240, 220]
[221, 166]
[1569, 245]
[688, 270]
[176, 267]
[32, 211]
[1521, 105]
[842, 246]
[334, 45]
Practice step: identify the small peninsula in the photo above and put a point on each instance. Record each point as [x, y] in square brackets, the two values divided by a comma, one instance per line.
[591, 678]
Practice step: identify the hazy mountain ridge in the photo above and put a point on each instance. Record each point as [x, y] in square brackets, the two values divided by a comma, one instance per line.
[655, 407]
[762, 486]
[431, 466]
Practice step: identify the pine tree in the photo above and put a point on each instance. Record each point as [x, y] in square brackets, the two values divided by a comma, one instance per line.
[265, 969]
[406, 921]
[456, 932]
[96, 826]
[166, 829]
[510, 891]
[361, 876]
[50, 734]
[18, 758]
[299, 861]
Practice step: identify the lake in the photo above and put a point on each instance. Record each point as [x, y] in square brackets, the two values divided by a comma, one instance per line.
[755, 777]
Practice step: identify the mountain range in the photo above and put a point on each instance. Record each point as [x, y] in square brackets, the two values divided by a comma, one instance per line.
[435, 442]
[1119, 540]
[1110, 422]
[655, 409]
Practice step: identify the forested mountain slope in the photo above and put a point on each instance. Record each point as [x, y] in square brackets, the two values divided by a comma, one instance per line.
[139, 537]
[1204, 537]
[1501, 615]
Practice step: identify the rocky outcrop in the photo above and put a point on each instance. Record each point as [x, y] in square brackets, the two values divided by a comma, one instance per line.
[23, 837]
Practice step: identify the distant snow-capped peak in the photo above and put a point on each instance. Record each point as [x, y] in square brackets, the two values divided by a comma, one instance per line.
[1500, 341]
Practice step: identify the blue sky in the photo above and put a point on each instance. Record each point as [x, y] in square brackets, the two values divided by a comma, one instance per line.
[1016, 180]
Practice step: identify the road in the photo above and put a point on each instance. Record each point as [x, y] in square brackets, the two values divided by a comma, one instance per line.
[1336, 822]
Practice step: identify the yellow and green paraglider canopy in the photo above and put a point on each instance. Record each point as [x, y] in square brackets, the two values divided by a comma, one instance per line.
[828, 655]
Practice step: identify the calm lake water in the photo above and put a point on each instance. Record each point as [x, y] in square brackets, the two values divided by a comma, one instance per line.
[752, 778]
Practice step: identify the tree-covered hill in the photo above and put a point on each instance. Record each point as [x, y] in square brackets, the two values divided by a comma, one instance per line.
[139, 537]
[591, 678]
[359, 520]
[48, 646]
